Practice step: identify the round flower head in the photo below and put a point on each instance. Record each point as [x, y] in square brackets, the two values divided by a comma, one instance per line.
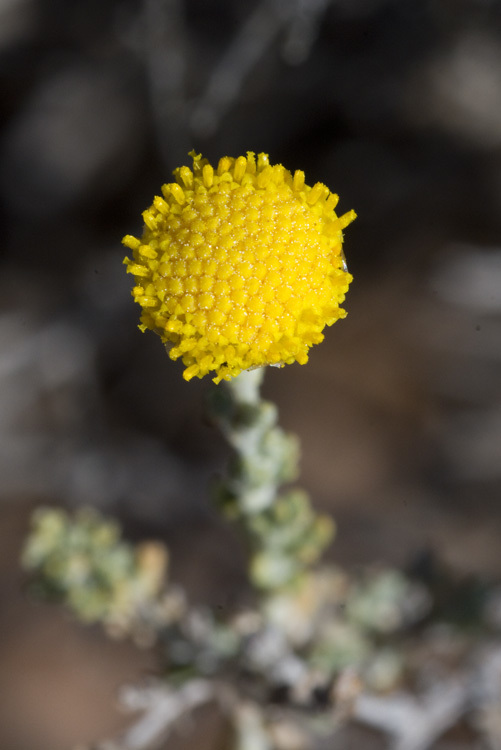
[239, 266]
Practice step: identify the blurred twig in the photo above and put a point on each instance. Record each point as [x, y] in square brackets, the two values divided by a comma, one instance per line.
[245, 50]
[161, 708]
[166, 57]
[167, 47]
[303, 29]
[415, 724]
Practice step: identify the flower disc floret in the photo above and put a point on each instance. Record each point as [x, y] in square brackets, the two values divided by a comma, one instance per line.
[239, 266]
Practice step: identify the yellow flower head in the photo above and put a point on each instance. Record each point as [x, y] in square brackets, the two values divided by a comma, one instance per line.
[239, 266]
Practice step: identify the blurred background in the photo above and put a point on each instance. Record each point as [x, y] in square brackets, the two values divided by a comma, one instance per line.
[395, 105]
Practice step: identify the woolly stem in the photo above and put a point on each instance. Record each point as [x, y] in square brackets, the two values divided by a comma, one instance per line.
[284, 534]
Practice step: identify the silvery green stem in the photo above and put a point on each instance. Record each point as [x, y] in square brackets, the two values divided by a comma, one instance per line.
[265, 456]
[247, 386]
[284, 534]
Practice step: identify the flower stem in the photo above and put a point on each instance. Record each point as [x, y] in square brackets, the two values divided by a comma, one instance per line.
[284, 534]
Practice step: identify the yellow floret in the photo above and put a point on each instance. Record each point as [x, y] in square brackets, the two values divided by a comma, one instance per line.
[239, 266]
